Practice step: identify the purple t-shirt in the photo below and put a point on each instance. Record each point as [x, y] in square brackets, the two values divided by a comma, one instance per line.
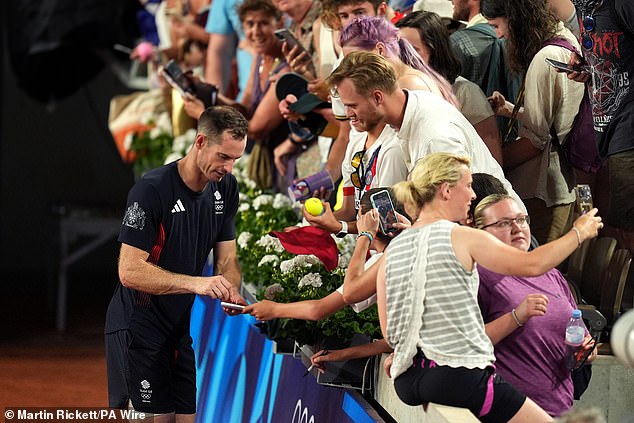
[532, 358]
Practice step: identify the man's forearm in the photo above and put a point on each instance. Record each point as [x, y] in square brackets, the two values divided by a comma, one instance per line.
[230, 269]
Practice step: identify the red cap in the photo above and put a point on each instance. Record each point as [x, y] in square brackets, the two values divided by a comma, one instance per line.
[311, 240]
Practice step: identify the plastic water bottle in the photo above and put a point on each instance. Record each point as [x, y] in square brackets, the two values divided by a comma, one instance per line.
[575, 333]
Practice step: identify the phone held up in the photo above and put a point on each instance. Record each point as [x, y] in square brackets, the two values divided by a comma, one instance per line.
[565, 67]
[387, 215]
[283, 34]
[176, 78]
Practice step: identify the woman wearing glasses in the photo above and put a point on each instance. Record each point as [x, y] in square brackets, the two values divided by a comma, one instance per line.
[427, 287]
[526, 317]
[546, 112]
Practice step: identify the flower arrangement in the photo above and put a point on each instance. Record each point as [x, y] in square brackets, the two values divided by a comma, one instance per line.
[157, 145]
[275, 274]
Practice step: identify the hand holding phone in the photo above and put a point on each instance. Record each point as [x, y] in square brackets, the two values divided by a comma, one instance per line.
[232, 306]
[176, 78]
[382, 202]
[565, 67]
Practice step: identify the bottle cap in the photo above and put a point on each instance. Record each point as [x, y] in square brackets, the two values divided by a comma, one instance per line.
[576, 313]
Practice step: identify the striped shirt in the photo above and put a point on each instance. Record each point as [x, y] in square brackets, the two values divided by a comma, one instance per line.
[432, 302]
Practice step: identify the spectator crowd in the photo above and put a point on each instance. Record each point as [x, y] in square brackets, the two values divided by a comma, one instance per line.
[454, 108]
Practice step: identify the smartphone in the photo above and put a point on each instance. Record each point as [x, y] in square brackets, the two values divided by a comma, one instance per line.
[387, 215]
[232, 305]
[176, 78]
[284, 34]
[566, 67]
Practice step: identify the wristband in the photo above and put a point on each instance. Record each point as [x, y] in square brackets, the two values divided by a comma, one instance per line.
[517, 321]
[578, 235]
[344, 229]
[366, 233]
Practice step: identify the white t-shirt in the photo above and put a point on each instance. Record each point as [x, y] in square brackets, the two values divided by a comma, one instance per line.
[362, 305]
[432, 125]
[387, 169]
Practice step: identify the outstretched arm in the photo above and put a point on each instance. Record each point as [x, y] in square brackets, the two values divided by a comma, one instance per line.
[474, 245]
[305, 310]
[358, 288]
[359, 351]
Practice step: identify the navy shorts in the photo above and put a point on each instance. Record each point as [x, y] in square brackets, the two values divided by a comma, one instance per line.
[156, 380]
[482, 391]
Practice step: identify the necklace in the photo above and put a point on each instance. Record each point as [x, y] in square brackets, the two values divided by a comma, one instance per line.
[276, 62]
[428, 220]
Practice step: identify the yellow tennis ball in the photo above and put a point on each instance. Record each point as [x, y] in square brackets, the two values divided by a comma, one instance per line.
[314, 206]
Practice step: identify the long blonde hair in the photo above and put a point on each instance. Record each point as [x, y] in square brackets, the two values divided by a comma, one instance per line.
[427, 176]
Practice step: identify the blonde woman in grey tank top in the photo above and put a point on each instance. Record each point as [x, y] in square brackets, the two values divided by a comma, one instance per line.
[427, 294]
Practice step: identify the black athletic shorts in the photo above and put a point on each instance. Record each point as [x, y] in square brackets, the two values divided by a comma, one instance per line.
[155, 380]
[483, 392]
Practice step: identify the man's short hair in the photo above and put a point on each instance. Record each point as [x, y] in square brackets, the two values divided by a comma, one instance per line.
[368, 71]
[214, 121]
[375, 3]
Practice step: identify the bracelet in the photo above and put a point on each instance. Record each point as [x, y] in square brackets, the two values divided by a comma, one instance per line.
[517, 321]
[578, 235]
[366, 233]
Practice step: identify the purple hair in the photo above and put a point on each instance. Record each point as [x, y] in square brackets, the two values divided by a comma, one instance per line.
[366, 31]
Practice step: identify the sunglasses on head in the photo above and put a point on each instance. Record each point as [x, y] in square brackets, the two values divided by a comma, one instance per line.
[357, 165]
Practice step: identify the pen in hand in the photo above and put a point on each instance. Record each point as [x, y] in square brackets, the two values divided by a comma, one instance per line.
[324, 352]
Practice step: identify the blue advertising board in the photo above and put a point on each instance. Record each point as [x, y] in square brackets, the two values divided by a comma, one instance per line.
[241, 379]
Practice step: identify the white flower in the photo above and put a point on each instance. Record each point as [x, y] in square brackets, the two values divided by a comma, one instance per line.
[146, 118]
[243, 198]
[262, 200]
[243, 239]
[180, 143]
[156, 132]
[307, 260]
[190, 136]
[244, 207]
[164, 122]
[250, 183]
[127, 141]
[270, 243]
[311, 279]
[172, 157]
[269, 258]
[346, 244]
[297, 262]
[271, 291]
[287, 266]
[344, 261]
[281, 200]
[260, 214]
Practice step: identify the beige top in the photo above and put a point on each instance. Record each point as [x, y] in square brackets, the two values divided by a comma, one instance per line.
[550, 99]
[473, 103]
